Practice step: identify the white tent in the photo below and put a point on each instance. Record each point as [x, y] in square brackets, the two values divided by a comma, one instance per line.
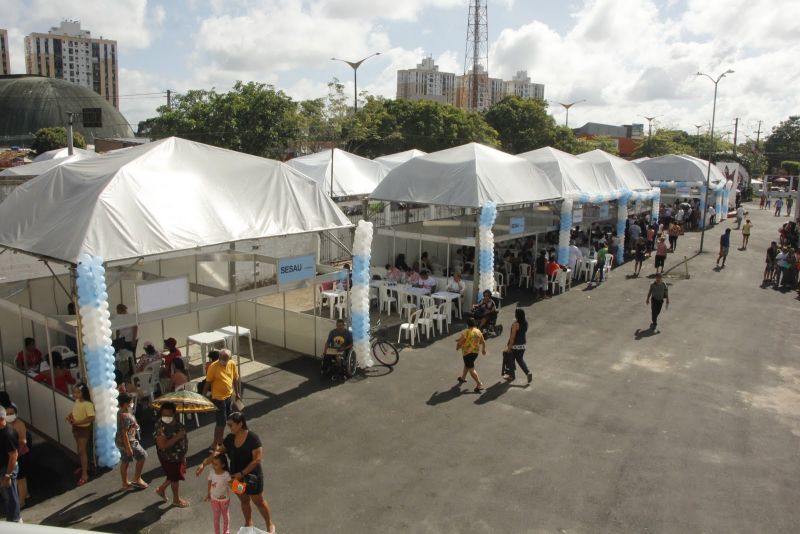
[630, 176]
[680, 168]
[59, 153]
[570, 175]
[395, 160]
[42, 166]
[165, 196]
[352, 175]
[466, 176]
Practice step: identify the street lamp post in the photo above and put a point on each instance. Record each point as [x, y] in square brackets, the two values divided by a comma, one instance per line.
[698, 126]
[715, 81]
[567, 106]
[354, 65]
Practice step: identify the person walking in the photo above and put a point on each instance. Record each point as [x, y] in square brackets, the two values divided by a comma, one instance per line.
[746, 229]
[778, 206]
[470, 342]
[127, 441]
[772, 256]
[739, 216]
[789, 202]
[171, 444]
[515, 348]
[25, 439]
[9, 454]
[640, 248]
[674, 231]
[724, 245]
[244, 450]
[219, 485]
[661, 254]
[222, 379]
[81, 419]
[712, 216]
[656, 296]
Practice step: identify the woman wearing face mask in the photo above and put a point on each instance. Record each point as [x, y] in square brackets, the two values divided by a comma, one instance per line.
[24, 450]
[171, 444]
[127, 441]
[81, 419]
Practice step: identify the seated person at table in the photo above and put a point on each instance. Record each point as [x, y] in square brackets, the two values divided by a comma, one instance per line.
[125, 337]
[60, 375]
[341, 339]
[30, 357]
[426, 281]
[393, 274]
[172, 352]
[552, 267]
[151, 355]
[69, 341]
[412, 277]
[485, 310]
[400, 263]
[424, 263]
[179, 375]
[456, 284]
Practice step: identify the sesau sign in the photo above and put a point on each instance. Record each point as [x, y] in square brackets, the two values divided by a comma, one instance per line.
[517, 225]
[296, 268]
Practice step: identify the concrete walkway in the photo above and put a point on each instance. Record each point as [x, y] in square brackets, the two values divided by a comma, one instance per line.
[693, 429]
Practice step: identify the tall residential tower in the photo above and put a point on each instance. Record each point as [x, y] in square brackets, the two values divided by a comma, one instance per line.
[426, 83]
[68, 53]
[5, 63]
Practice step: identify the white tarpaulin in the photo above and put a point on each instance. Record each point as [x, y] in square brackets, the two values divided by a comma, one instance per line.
[352, 175]
[571, 175]
[164, 196]
[59, 153]
[628, 174]
[395, 160]
[40, 167]
[680, 168]
[466, 176]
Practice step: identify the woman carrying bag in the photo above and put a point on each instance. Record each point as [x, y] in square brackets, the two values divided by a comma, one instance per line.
[515, 349]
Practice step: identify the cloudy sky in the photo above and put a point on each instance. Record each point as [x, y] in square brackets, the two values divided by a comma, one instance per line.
[626, 58]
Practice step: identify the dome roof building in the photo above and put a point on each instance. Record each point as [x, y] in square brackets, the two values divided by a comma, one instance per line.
[28, 103]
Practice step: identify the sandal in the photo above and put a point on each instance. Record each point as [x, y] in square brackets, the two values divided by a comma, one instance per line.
[139, 485]
[479, 389]
[82, 481]
[461, 380]
[183, 503]
[162, 494]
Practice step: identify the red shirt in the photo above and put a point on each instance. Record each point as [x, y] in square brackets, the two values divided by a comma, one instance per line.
[63, 380]
[169, 358]
[29, 359]
[552, 268]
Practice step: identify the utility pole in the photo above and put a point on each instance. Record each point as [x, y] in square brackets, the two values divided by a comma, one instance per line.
[758, 135]
[169, 99]
[735, 134]
[70, 142]
[476, 57]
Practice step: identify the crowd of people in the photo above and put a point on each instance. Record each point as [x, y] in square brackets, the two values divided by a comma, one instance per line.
[782, 262]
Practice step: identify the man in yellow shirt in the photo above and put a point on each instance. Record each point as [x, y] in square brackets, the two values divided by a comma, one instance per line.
[222, 379]
[470, 342]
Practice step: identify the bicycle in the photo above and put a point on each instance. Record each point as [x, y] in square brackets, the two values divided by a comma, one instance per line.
[382, 350]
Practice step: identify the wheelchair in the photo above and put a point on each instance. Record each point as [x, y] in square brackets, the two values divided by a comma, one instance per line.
[348, 367]
[491, 329]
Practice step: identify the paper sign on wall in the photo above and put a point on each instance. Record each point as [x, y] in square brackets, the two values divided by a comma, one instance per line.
[296, 268]
[517, 225]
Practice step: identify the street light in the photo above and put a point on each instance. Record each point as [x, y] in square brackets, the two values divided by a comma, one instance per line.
[710, 150]
[355, 65]
[567, 106]
[698, 126]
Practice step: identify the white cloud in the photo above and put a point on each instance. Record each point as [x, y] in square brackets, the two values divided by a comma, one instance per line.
[384, 9]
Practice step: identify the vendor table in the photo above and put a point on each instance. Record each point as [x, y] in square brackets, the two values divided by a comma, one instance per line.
[230, 332]
[449, 297]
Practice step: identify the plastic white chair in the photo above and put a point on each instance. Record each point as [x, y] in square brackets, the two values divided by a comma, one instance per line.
[509, 274]
[342, 307]
[442, 317]
[426, 321]
[411, 328]
[406, 304]
[188, 386]
[566, 280]
[607, 265]
[552, 282]
[498, 279]
[144, 382]
[63, 350]
[427, 301]
[525, 274]
[385, 300]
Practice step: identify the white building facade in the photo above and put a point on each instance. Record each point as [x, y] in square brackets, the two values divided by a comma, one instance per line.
[426, 83]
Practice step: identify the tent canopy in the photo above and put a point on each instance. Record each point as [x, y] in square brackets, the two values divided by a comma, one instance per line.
[59, 153]
[42, 166]
[680, 168]
[395, 160]
[466, 176]
[570, 174]
[352, 175]
[165, 196]
[628, 175]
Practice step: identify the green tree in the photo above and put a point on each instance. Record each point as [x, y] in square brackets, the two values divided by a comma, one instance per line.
[52, 138]
[784, 142]
[752, 158]
[522, 124]
[252, 117]
[791, 167]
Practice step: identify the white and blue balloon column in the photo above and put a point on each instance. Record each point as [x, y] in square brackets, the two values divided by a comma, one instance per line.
[622, 217]
[702, 207]
[98, 355]
[564, 231]
[359, 293]
[486, 251]
[656, 205]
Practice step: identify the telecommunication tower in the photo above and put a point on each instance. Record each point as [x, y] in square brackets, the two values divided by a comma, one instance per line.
[475, 92]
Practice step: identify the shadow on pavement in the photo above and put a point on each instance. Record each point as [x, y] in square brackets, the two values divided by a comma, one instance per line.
[138, 521]
[641, 334]
[444, 396]
[77, 511]
[493, 392]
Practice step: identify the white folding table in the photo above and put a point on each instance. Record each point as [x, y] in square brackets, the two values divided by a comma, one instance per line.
[230, 332]
[449, 297]
[204, 339]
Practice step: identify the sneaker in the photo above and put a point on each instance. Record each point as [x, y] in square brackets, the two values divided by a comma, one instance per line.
[530, 378]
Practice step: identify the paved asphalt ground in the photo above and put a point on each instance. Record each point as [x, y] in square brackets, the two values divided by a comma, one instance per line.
[692, 429]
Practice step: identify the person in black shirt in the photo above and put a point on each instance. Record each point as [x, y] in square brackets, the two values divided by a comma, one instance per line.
[9, 444]
[340, 340]
[244, 450]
